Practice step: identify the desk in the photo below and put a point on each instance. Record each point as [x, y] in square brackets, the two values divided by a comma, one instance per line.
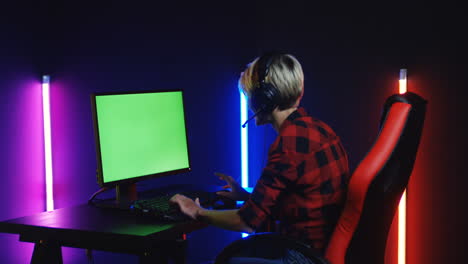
[88, 227]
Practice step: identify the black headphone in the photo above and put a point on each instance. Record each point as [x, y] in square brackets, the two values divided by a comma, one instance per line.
[265, 96]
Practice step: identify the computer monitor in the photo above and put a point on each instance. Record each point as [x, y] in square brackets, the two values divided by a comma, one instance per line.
[139, 135]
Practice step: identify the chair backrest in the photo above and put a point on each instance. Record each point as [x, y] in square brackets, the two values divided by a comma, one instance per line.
[377, 184]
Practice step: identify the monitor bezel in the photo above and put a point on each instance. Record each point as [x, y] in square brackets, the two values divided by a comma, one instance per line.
[99, 171]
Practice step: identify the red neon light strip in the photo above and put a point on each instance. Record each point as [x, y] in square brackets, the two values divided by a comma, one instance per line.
[402, 205]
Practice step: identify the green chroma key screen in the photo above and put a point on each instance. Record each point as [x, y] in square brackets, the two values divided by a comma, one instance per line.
[141, 134]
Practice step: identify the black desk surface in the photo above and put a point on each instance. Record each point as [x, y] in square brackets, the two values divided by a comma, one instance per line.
[86, 226]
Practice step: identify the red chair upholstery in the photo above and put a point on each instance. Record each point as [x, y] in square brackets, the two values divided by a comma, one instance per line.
[374, 190]
[377, 184]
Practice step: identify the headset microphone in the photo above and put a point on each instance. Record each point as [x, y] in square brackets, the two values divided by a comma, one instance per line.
[252, 117]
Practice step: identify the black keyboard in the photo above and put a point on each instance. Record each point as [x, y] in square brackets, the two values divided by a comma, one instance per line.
[161, 209]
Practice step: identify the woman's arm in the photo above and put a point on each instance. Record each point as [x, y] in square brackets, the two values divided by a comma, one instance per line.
[226, 219]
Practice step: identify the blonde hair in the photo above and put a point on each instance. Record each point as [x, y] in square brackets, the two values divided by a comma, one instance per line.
[284, 72]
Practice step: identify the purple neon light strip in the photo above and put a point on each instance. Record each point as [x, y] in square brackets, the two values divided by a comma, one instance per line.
[47, 142]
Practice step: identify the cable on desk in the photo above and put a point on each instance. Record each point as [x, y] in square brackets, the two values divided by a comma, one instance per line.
[91, 199]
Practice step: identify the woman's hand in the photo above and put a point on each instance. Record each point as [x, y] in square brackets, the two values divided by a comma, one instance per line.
[237, 192]
[187, 205]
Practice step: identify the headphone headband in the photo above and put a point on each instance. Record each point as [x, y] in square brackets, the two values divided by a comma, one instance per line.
[264, 63]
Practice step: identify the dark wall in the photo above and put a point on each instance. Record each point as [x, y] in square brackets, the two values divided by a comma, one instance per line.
[351, 57]
[21, 159]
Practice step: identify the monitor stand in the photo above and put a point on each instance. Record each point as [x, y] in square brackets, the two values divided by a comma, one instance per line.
[126, 194]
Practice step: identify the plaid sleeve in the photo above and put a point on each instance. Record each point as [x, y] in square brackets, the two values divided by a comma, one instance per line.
[280, 172]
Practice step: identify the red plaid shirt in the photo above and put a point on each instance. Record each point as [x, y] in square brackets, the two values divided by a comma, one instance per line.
[303, 186]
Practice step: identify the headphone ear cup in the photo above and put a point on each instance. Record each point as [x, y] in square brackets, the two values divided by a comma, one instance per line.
[270, 94]
[264, 98]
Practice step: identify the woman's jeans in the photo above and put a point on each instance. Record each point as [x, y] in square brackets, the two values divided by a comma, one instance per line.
[290, 257]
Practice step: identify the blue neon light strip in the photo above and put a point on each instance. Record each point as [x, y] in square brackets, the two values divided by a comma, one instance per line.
[244, 145]
[244, 142]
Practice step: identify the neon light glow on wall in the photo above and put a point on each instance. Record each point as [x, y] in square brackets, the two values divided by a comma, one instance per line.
[47, 142]
[402, 206]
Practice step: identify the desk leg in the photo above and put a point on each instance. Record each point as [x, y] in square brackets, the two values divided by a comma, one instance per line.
[179, 251]
[171, 252]
[47, 252]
